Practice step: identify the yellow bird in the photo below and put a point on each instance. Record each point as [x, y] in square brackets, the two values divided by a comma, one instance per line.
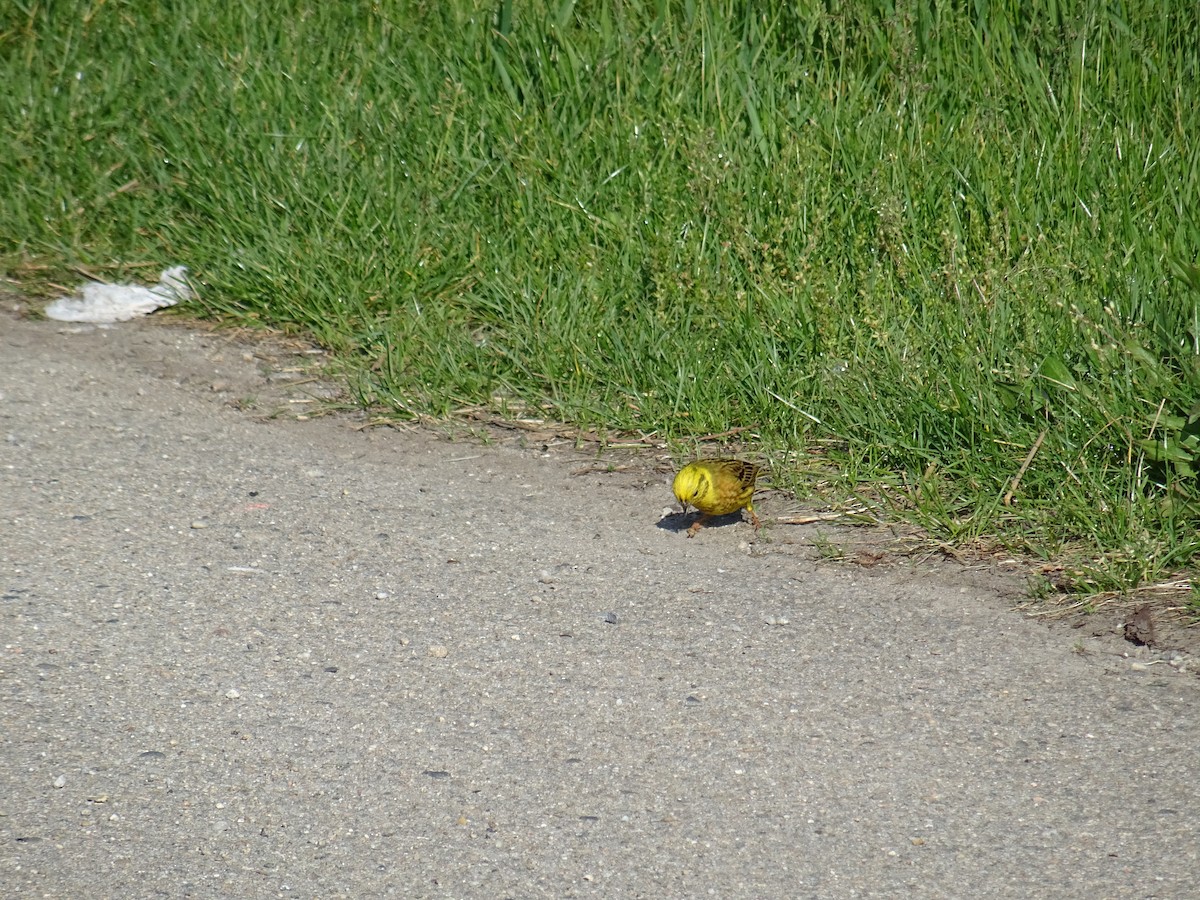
[716, 487]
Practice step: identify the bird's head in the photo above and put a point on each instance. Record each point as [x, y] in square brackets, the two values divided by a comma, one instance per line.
[687, 485]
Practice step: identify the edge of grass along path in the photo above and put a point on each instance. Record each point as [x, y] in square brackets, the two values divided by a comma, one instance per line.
[953, 246]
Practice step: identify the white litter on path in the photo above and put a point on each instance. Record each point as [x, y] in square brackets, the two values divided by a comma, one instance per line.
[98, 302]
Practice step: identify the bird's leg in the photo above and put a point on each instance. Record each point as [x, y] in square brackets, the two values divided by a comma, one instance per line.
[698, 524]
[753, 517]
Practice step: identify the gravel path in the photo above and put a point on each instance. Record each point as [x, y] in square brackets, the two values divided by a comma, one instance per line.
[296, 659]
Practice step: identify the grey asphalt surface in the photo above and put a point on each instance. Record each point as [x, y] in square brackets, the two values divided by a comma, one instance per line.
[301, 659]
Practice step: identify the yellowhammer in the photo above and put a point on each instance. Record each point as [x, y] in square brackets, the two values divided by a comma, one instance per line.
[716, 487]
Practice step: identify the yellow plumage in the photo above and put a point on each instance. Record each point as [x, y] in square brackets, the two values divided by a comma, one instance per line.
[716, 487]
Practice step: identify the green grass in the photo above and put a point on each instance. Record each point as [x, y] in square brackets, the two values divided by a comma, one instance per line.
[924, 235]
